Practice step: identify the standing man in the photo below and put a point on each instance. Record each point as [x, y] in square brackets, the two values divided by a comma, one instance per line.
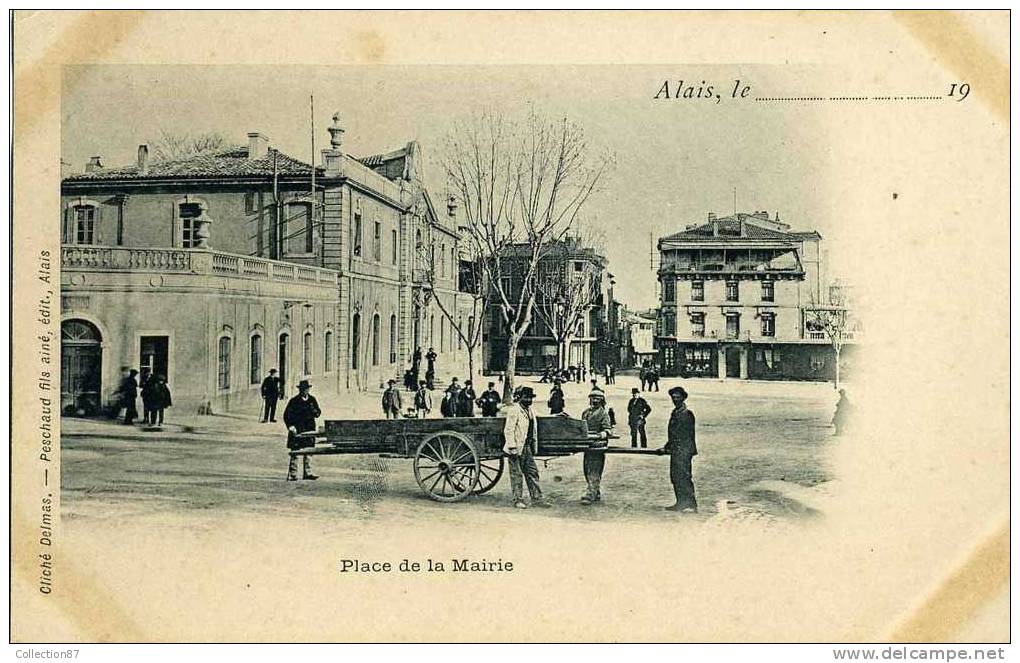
[146, 382]
[431, 370]
[610, 374]
[643, 375]
[682, 449]
[489, 401]
[161, 400]
[597, 420]
[521, 444]
[653, 377]
[129, 395]
[299, 417]
[422, 400]
[448, 406]
[637, 412]
[270, 395]
[391, 404]
[466, 404]
[842, 414]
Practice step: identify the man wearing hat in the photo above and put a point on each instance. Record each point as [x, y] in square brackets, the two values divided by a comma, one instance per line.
[520, 433]
[637, 412]
[489, 401]
[391, 403]
[299, 417]
[270, 395]
[597, 420]
[681, 449]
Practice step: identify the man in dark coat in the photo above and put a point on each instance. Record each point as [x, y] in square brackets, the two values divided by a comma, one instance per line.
[489, 401]
[682, 449]
[415, 367]
[299, 417]
[466, 404]
[637, 412]
[391, 403]
[128, 391]
[270, 395]
[146, 383]
[556, 401]
[160, 399]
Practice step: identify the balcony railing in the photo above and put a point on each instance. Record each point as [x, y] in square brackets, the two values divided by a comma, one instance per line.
[190, 261]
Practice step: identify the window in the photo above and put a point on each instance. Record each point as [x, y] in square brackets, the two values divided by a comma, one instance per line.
[393, 339]
[84, 224]
[732, 291]
[505, 285]
[698, 325]
[249, 203]
[669, 323]
[327, 352]
[732, 325]
[255, 360]
[298, 228]
[393, 247]
[471, 327]
[768, 324]
[377, 242]
[698, 291]
[223, 364]
[768, 291]
[306, 354]
[375, 339]
[442, 261]
[769, 357]
[355, 340]
[668, 289]
[578, 266]
[189, 214]
[357, 233]
[817, 362]
[453, 263]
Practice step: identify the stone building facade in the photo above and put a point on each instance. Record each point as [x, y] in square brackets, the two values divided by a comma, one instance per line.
[734, 292]
[214, 268]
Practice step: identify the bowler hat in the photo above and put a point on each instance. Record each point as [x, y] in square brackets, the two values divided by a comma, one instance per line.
[524, 392]
[634, 390]
[304, 384]
[678, 390]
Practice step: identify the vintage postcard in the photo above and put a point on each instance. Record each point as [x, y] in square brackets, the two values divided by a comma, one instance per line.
[510, 327]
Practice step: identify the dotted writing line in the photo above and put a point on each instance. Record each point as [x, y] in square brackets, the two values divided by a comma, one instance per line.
[877, 98]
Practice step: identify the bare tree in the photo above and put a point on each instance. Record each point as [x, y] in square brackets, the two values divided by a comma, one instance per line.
[564, 298]
[521, 185]
[468, 283]
[170, 146]
[834, 319]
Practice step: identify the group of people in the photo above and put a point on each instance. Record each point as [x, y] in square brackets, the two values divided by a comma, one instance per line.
[412, 376]
[576, 374]
[457, 401]
[154, 391]
[521, 446]
[649, 375]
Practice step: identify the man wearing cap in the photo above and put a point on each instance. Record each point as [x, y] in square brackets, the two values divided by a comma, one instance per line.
[597, 420]
[520, 434]
[270, 395]
[299, 417]
[391, 403]
[637, 412]
[489, 401]
[682, 449]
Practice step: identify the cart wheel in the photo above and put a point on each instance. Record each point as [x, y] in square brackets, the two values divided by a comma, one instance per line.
[489, 472]
[446, 466]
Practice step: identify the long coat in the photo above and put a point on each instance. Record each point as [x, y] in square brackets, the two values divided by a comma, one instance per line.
[466, 403]
[301, 414]
[515, 430]
[391, 400]
[680, 434]
[637, 410]
[271, 388]
[489, 402]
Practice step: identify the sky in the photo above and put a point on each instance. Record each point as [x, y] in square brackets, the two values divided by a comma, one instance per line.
[676, 159]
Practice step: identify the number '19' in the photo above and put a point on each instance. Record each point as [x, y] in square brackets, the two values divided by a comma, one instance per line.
[959, 90]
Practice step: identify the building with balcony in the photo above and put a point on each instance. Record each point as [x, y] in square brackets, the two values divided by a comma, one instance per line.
[213, 268]
[734, 292]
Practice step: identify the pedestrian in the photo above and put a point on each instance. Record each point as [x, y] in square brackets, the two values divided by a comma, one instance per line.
[489, 401]
[161, 400]
[584, 372]
[681, 447]
[431, 359]
[430, 378]
[520, 433]
[643, 375]
[270, 395]
[128, 391]
[422, 400]
[594, 463]
[448, 406]
[577, 375]
[556, 400]
[466, 404]
[391, 404]
[299, 417]
[840, 418]
[146, 383]
[595, 385]
[637, 412]
[610, 374]
[653, 378]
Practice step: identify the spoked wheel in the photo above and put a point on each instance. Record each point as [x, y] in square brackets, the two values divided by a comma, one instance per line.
[489, 472]
[446, 466]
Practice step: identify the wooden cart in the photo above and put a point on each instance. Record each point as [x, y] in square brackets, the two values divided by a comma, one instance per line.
[453, 458]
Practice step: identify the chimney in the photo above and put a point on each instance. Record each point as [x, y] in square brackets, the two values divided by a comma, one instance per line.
[95, 164]
[258, 146]
[143, 159]
[336, 133]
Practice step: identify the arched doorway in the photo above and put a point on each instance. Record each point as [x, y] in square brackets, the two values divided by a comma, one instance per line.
[81, 362]
[281, 354]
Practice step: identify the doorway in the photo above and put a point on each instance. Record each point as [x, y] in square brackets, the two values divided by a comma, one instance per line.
[733, 362]
[81, 361]
[154, 354]
[281, 354]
